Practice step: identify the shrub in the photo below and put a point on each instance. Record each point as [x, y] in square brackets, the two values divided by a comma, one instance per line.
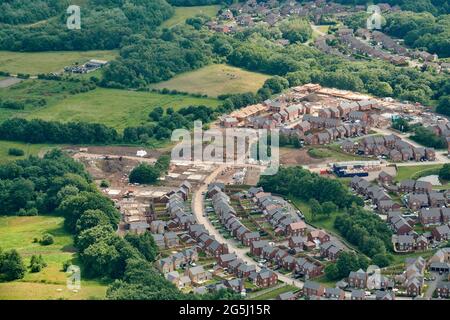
[16, 152]
[37, 263]
[47, 239]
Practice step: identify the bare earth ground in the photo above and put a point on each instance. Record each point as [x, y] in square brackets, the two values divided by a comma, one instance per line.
[293, 157]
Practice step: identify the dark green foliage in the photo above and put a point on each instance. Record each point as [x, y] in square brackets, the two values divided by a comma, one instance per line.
[443, 106]
[37, 263]
[104, 184]
[40, 131]
[401, 124]
[145, 61]
[12, 104]
[24, 11]
[305, 185]
[144, 174]
[104, 25]
[444, 172]
[365, 230]
[16, 152]
[347, 262]
[40, 184]
[428, 138]
[47, 239]
[91, 218]
[74, 206]
[11, 266]
[382, 260]
[421, 30]
[145, 244]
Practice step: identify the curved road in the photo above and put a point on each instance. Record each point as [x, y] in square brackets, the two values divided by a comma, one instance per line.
[198, 212]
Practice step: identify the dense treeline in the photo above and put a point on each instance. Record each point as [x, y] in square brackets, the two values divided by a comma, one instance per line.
[40, 131]
[366, 231]
[25, 11]
[421, 30]
[346, 262]
[160, 126]
[104, 25]
[306, 185]
[428, 138]
[143, 61]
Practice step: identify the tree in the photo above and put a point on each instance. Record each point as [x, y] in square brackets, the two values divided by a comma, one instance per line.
[296, 30]
[11, 266]
[156, 114]
[316, 208]
[37, 263]
[444, 172]
[144, 174]
[332, 272]
[90, 219]
[381, 260]
[144, 243]
[74, 206]
[328, 208]
[443, 106]
[47, 239]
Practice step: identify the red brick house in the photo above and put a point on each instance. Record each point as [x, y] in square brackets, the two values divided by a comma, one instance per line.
[296, 229]
[266, 278]
[312, 288]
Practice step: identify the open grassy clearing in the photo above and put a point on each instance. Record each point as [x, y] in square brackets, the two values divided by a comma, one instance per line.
[112, 107]
[115, 108]
[29, 149]
[18, 233]
[45, 62]
[183, 13]
[214, 80]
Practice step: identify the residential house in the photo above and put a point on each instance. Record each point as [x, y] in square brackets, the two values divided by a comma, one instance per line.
[256, 247]
[266, 278]
[296, 229]
[334, 294]
[358, 279]
[430, 216]
[312, 288]
[250, 237]
[441, 233]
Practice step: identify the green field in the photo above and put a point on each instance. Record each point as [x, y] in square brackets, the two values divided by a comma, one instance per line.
[18, 233]
[29, 149]
[45, 62]
[183, 13]
[112, 107]
[214, 80]
[115, 108]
